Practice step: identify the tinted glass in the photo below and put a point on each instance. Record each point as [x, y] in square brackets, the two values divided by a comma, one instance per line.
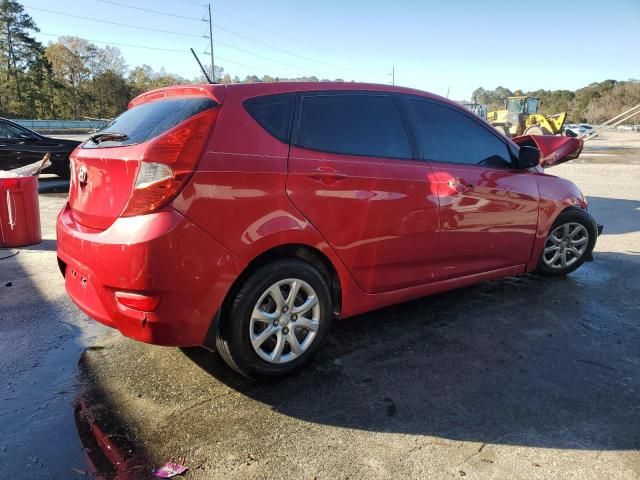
[532, 106]
[447, 135]
[353, 124]
[515, 105]
[11, 131]
[273, 113]
[149, 120]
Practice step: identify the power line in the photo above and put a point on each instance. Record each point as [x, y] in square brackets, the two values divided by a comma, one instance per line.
[281, 50]
[153, 11]
[120, 44]
[232, 32]
[253, 67]
[169, 32]
[100, 20]
[262, 56]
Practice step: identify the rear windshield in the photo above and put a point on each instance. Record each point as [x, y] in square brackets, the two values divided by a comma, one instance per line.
[149, 120]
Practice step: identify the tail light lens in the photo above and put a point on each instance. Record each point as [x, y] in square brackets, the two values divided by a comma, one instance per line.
[138, 301]
[168, 163]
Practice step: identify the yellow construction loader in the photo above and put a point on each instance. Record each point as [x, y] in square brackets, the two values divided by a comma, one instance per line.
[521, 117]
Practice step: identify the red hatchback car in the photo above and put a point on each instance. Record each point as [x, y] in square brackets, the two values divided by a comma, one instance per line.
[247, 217]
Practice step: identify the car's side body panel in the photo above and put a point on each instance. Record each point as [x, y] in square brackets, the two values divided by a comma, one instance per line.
[375, 213]
[488, 217]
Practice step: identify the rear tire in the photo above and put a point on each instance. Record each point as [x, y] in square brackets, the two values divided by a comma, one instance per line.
[269, 333]
[570, 242]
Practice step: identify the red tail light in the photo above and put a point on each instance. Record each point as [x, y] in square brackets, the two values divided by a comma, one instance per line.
[138, 301]
[168, 163]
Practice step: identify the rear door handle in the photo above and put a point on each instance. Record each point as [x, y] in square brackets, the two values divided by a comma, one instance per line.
[326, 175]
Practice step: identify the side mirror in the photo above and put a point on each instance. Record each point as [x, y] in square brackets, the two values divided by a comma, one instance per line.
[528, 157]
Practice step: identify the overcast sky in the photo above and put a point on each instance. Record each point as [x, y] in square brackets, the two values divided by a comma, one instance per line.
[440, 46]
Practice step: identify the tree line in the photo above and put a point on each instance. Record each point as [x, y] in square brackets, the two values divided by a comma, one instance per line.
[73, 78]
[594, 103]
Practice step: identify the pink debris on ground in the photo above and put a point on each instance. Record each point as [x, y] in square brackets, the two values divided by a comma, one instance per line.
[169, 470]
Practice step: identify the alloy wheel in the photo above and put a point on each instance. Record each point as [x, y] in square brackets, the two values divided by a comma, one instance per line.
[565, 245]
[284, 321]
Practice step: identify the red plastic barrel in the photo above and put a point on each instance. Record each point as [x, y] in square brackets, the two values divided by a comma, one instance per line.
[19, 212]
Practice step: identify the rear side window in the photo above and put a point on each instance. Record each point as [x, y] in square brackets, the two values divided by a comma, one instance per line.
[447, 135]
[351, 124]
[273, 113]
[149, 120]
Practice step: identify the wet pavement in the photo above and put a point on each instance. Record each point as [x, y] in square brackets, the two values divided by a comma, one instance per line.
[42, 336]
[517, 378]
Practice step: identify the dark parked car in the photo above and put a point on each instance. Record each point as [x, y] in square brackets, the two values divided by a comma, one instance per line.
[20, 146]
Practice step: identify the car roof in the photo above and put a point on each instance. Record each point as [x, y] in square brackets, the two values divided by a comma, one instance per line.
[219, 91]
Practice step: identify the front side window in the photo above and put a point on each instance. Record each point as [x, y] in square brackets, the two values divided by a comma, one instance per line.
[353, 124]
[447, 135]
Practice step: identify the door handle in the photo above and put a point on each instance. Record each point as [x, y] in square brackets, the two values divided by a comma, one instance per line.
[326, 175]
[460, 184]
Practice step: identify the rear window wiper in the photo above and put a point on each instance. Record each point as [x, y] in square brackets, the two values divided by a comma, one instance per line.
[108, 136]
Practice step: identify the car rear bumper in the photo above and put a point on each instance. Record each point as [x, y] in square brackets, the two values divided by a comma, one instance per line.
[162, 255]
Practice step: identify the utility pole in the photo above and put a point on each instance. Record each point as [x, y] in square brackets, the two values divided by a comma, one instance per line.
[393, 75]
[213, 68]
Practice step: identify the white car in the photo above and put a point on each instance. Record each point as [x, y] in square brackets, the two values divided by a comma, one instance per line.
[572, 130]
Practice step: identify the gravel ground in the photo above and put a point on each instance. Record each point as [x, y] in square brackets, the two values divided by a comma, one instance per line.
[519, 378]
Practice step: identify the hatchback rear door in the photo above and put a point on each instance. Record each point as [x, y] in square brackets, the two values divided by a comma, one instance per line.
[104, 170]
[354, 175]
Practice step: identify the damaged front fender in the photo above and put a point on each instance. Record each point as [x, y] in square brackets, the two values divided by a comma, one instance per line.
[554, 150]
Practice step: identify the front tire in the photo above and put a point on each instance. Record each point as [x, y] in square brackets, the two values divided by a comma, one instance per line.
[277, 322]
[571, 240]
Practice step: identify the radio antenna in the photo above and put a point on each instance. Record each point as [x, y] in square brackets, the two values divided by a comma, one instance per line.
[206, 75]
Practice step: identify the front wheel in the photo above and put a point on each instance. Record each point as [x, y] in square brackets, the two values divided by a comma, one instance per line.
[278, 320]
[570, 242]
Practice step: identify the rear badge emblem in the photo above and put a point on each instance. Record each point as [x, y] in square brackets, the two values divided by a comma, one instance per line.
[82, 174]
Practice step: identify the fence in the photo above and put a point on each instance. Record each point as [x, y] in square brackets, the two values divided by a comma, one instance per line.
[62, 126]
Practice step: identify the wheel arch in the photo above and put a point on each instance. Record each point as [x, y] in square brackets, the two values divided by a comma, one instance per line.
[304, 252]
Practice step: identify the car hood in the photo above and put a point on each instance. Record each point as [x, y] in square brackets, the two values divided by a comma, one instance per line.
[554, 150]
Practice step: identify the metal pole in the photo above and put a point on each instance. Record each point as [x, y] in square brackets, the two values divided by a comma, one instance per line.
[612, 125]
[393, 75]
[213, 68]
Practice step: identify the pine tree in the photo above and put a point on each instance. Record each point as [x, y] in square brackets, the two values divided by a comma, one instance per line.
[19, 53]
